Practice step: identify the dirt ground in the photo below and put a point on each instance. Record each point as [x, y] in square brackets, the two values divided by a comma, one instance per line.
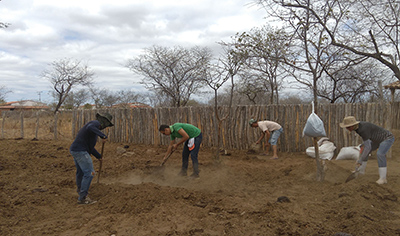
[243, 194]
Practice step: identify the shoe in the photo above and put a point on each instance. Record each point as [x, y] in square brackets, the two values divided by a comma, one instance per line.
[182, 173]
[381, 181]
[86, 201]
[194, 176]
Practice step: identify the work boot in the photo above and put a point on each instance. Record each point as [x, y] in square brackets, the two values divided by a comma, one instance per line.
[182, 173]
[86, 201]
[362, 168]
[195, 176]
[382, 175]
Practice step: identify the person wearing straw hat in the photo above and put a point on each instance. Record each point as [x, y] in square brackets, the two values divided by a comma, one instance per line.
[82, 148]
[272, 131]
[374, 137]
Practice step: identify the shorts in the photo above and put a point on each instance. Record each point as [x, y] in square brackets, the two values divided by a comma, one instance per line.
[273, 140]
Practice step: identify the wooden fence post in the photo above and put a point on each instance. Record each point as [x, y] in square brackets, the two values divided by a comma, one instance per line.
[37, 125]
[2, 124]
[55, 125]
[22, 123]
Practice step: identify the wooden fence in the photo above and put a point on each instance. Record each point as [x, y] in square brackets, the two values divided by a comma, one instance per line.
[140, 125]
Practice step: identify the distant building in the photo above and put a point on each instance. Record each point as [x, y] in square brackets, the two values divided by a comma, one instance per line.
[23, 105]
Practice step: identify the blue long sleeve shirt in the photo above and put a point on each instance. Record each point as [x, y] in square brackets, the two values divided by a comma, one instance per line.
[87, 137]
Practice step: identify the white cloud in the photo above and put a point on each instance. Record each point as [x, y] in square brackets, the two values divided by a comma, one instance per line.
[106, 34]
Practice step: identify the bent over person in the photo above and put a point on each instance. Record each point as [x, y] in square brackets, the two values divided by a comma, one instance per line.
[82, 148]
[191, 136]
[271, 130]
[374, 137]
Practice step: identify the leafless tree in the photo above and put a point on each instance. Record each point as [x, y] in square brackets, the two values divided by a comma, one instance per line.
[77, 99]
[264, 49]
[175, 72]
[309, 49]
[368, 28]
[3, 92]
[64, 75]
[226, 68]
[103, 97]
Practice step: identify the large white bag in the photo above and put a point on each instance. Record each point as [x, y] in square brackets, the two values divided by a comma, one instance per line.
[325, 148]
[349, 153]
[314, 126]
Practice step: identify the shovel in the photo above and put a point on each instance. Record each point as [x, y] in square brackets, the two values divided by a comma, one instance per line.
[166, 159]
[101, 162]
[357, 170]
[353, 175]
[158, 170]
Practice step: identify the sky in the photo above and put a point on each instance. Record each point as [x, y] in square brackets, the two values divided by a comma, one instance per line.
[105, 35]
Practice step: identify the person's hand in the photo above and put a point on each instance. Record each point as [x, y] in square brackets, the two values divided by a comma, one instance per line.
[174, 147]
[358, 165]
[257, 142]
[104, 140]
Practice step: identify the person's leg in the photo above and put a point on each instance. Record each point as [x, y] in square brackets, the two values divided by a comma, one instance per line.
[381, 156]
[194, 155]
[185, 160]
[273, 141]
[86, 165]
[78, 176]
[275, 152]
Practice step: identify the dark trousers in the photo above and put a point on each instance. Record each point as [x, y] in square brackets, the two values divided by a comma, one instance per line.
[193, 154]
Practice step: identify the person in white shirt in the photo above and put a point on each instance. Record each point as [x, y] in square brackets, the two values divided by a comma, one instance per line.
[271, 130]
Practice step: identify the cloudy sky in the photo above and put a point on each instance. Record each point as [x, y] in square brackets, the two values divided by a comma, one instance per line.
[105, 34]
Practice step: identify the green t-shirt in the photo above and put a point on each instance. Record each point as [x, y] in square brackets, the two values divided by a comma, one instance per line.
[191, 130]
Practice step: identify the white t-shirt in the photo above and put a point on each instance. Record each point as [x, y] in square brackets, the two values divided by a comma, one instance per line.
[268, 125]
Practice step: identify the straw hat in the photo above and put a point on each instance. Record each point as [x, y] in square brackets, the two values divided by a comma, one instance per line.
[349, 121]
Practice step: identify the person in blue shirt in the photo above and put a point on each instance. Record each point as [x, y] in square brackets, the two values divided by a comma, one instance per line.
[81, 149]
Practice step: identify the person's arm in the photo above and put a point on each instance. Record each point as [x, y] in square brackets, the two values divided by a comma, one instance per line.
[267, 136]
[261, 137]
[169, 149]
[365, 151]
[93, 128]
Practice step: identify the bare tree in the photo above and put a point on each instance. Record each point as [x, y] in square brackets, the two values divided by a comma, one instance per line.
[3, 92]
[368, 28]
[175, 72]
[253, 87]
[217, 75]
[4, 25]
[76, 99]
[264, 49]
[103, 97]
[350, 83]
[309, 49]
[64, 75]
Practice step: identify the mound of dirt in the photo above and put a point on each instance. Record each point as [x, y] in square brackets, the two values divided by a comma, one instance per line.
[241, 194]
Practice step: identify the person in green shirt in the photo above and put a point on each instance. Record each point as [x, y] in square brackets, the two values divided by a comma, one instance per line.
[191, 136]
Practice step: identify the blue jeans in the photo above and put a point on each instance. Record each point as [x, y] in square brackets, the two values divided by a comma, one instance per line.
[193, 154]
[273, 140]
[84, 173]
[382, 150]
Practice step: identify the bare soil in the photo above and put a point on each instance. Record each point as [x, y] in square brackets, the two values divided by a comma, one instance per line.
[242, 194]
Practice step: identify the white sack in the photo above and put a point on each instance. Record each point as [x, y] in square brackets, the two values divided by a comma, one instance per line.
[325, 150]
[349, 153]
[314, 126]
